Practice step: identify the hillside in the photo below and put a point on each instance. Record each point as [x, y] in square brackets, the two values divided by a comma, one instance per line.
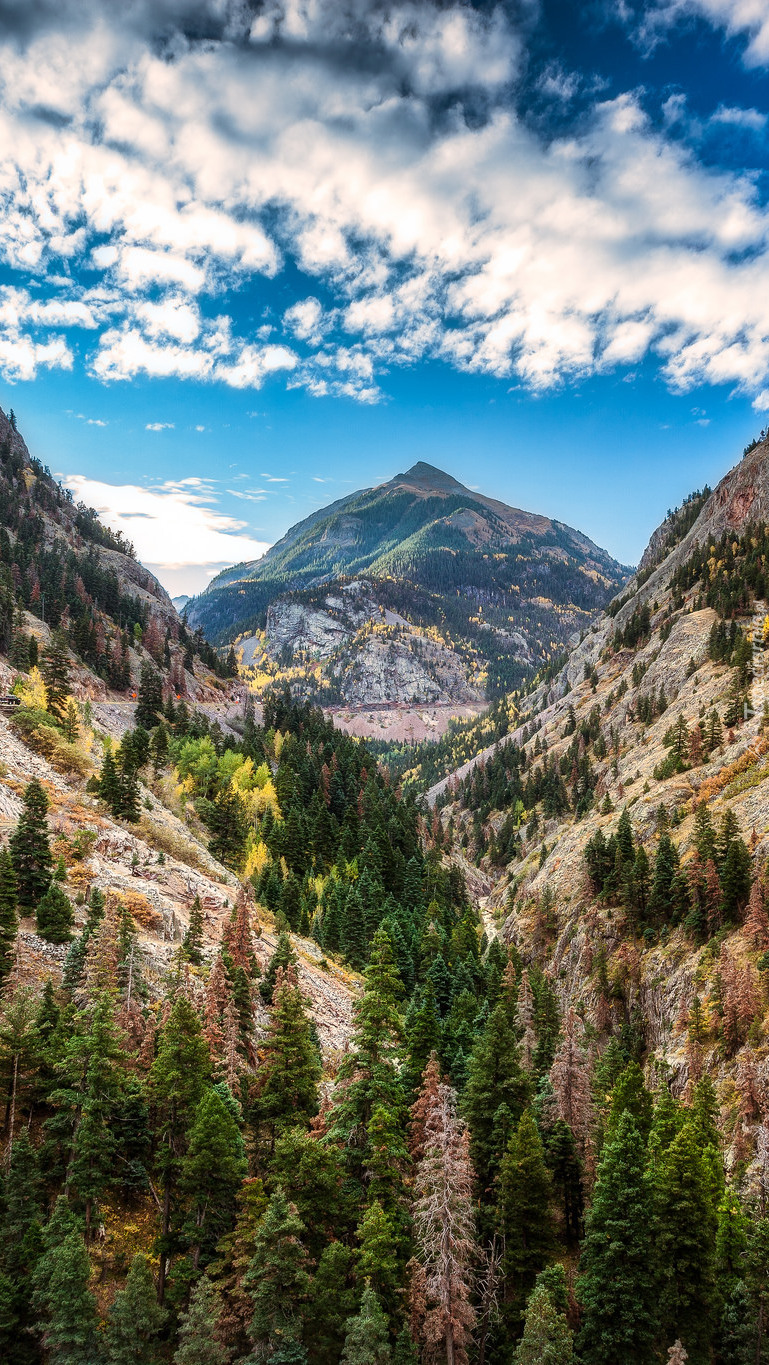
[620, 829]
[431, 592]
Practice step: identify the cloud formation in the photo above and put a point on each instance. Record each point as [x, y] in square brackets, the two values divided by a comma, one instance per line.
[173, 527]
[156, 159]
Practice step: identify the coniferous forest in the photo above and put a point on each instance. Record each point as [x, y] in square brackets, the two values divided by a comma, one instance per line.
[468, 1179]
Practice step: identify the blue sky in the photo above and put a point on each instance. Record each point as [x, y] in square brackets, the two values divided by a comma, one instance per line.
[257, 253]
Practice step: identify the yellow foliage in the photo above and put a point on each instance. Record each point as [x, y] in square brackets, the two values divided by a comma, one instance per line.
[257, 858]
[278, 744]
[266, 799]
[32, 691]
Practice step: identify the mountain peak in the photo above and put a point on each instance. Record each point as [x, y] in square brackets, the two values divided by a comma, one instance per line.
[423, 475]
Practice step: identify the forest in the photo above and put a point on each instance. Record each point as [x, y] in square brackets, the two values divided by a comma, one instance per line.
[471, 1179]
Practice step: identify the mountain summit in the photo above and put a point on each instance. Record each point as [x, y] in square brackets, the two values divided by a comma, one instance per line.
[502, 588]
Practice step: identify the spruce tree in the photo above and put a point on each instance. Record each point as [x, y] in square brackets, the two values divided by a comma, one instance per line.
[198, 1342]
[524, 1219]
[177, 1080]
[149, 705]
[136, 1319]
[616, 1286]
[277, 1278]
[192, 943]
[55, 672]
[30, 849]
[290, 1073]
[684, 1238]
[212, 1171]
[9, 921]
[20, 1249]
[369, 1075]
[70, 1320]
[367, 1340]
[495, 1079]
[333, 1300]
[55, 916]
[547, 1337]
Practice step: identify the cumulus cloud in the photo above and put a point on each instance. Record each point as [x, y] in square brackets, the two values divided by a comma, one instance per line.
[161, 155]
[177, 534]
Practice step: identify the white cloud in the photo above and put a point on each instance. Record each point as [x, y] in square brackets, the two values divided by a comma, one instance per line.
[171, 528]
[159, 426]
[174, 173]
[740, 18]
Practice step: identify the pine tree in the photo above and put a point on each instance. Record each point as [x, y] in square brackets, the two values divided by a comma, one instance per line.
[290, 1072]
[70, 1320]
[367, 1341]
[495, 1082]
[135, 1319]
[55, 672]
[30, 849]
[684, 1238]
[109, 784]
[177, 1080]
[198, 1342]
[212, 1171]
[20, 1248]
[149, 706]
[444, 1228]
[333, 1301]
[369, 1075]
[9, 921]
[547, 1338]
[277, 1278]
[55, 916]
[523, 1217]
[616, 1288]
[192, 943]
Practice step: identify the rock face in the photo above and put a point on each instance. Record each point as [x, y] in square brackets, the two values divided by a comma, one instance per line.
[500, 586]
[594, 954]
[349, 650]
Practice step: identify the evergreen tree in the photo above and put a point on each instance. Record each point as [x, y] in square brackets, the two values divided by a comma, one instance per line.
[198, 1342]
[212, 1171]
[277, 1278]
[70, 1320]
[192, 943]
[177, 1080]
[369, 1074]
[523, 1217]
[9, 921]
[684, 1238]
[109, 783]
[332, 1303]
[149, 706]
[290, 1073]
[55, 672]
[55, 916]
[616, 1288]
[367, 1341]
[495, 1081]
[30, 849]
[20, 1248]
[135, 1319]
[547, 1338]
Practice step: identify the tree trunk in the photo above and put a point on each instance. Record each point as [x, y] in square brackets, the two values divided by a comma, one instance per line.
[165, 1230]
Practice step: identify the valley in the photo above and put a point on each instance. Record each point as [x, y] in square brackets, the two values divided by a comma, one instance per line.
[537, 928]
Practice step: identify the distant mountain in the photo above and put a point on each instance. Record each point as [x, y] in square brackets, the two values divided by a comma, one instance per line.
[503, 589]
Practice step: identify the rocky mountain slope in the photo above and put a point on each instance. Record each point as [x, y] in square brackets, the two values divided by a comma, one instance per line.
[659, 718]
[361, 587]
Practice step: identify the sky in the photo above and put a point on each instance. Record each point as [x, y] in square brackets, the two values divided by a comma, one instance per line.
[256, 254]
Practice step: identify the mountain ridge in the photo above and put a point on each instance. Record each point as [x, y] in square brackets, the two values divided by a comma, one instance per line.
[502, 588]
